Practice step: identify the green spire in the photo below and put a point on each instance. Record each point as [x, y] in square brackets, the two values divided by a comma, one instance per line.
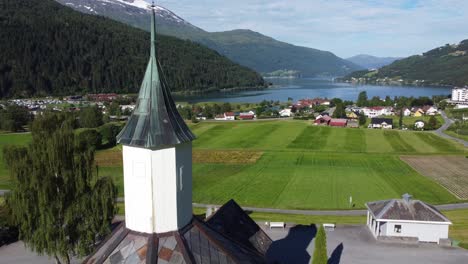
[155, 122]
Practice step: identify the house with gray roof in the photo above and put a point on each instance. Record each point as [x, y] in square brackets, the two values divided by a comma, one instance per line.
[407, 218]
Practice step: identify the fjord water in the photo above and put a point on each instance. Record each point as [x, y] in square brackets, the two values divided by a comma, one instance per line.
[311, 88]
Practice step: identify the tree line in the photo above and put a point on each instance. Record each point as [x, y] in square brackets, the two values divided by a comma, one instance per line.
[49, 49]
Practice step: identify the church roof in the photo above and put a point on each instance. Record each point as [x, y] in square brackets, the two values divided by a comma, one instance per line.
[199, 242]
[155, 122]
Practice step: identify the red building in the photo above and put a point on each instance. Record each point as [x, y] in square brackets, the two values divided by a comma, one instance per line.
[338, 122]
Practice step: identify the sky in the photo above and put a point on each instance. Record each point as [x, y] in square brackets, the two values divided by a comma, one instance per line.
[398, 28]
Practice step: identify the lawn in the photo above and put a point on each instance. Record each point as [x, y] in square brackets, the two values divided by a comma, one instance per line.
[9, 139]
[293, 164]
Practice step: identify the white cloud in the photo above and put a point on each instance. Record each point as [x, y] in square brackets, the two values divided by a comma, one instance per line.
[346, 27]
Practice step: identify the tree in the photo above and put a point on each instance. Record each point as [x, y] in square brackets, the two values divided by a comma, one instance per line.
[14, 118]
[432, 123]
[109, 133]
[226, 107]
[400, 119]
[362, 99]
[59, 207]
[91, 117]
[339, 111]
[88, 138]
[362, 119]
[320, 251]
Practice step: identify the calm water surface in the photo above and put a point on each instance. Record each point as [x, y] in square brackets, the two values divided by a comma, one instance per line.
[311, 88]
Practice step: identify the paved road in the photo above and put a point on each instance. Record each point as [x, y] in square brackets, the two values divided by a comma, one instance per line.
[445, 207]
[445, 126]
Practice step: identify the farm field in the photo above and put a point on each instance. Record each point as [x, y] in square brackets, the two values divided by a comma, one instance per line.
[292, 164]
[301, 136]
[450, 172]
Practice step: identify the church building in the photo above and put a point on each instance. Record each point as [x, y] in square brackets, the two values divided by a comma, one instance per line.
[159, 225]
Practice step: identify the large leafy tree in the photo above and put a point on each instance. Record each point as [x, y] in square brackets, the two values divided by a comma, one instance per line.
[60, 208]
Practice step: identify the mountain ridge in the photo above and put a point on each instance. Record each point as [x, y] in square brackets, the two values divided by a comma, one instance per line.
[271, 55]
[50, 49]
[445, 65]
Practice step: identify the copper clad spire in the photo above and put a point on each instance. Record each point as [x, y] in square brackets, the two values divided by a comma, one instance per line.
[155, 122]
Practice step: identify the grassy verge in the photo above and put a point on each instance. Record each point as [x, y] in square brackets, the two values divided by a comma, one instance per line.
[459, 229]
[454, 134]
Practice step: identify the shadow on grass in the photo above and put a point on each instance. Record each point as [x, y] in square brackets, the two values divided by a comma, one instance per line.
[292, 248]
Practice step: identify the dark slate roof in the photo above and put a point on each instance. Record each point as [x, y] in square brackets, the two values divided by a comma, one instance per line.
[412, 210]
[155, 122]
[199, 242]
[232, 221]
[379, 121]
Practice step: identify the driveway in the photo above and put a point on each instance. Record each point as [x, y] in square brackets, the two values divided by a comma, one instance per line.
[445, 126]
[355, 244]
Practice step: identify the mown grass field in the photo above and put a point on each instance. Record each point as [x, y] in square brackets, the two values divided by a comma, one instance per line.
[292, 164]
[9, 139]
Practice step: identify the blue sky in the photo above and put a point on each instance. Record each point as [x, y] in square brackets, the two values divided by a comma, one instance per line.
[344, 27]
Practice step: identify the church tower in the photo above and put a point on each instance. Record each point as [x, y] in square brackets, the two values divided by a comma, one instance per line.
[157, 156]
[159, 226]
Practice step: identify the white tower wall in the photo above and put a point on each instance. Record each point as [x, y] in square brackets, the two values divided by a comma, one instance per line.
[158, 188]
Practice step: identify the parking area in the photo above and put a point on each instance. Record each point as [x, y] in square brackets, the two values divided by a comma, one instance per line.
[346, 245]
[355, 244]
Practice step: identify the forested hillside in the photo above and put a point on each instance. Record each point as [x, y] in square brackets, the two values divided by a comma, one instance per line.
[46, 48]
[447, 65]
[248, 48]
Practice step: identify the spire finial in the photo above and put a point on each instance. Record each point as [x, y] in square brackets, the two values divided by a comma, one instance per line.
[153, 5]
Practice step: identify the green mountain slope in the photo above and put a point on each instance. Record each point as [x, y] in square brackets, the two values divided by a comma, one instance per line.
[447, 65]
[246, 47]
[371, 62]
[47, 48]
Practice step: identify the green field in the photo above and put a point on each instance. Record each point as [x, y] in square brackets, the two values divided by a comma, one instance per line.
[9, 139]
[306, 167]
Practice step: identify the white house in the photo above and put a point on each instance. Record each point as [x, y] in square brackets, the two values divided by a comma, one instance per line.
[407, 218]
[285, 112]
[229, 116]
[431, 110]
[376, 111]
[385, 123]
[406, 112]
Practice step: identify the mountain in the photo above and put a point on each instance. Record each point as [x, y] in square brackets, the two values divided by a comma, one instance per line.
[371, 62]
[246, 47]
[49, 49]
[446, 65]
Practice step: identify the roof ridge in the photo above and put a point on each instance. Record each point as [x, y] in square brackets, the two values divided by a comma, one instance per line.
[435, 210]
[386, 207]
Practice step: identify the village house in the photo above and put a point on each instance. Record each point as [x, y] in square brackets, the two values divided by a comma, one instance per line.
[229, 116]
[376, 111]
[385, 123]
[430, 110]
[338, 122]
[102, 97]
[417, 111]
[407, 218]
[247, 115]
[285, 112]
[352, 115]
[322, 120]
[406, 112]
